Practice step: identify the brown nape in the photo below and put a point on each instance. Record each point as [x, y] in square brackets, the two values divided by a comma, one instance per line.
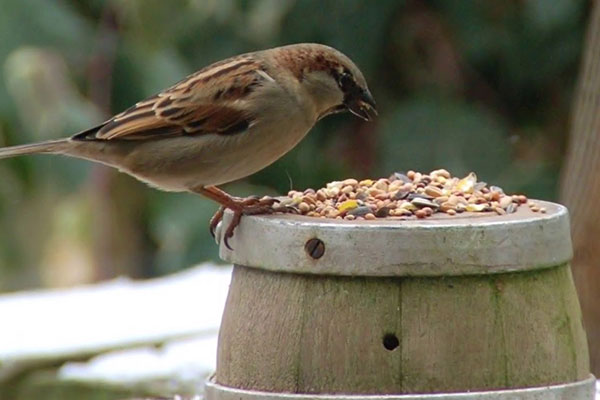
[302, 59]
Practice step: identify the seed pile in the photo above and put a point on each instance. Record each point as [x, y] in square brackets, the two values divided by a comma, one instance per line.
[405, 195]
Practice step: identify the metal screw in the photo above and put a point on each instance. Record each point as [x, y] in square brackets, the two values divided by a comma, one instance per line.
[315, 248]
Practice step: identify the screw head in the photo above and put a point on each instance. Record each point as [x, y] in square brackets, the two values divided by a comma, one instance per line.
[315, 248]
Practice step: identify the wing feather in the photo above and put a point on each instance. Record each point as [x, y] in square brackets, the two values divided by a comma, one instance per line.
[199, 104]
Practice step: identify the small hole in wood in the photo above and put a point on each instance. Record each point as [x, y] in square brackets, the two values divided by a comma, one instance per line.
[315, 248]
[390, 341]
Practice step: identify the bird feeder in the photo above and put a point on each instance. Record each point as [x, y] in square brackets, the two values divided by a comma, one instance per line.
[466, 307]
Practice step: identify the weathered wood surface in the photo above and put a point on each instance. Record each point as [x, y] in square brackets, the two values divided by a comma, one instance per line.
[580, 185]
[314, 334]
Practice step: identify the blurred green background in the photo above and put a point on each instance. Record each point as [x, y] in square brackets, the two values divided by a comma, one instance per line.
[466, 85]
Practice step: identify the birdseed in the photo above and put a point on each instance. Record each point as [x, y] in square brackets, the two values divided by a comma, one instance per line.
[406, 195]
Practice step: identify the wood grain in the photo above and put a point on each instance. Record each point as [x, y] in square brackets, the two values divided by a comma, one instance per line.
[580, 186]
[324, 334]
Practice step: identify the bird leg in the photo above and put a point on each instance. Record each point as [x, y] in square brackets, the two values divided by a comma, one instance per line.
[240, 206]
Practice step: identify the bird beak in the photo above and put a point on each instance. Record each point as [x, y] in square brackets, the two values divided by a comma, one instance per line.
[362, 105]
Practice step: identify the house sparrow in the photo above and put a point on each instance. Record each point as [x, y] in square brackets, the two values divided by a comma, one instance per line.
[222, 123]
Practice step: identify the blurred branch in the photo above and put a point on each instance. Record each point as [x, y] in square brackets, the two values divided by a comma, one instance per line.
[431, 56]
[580, 186]
[102, 62]
[116, 236]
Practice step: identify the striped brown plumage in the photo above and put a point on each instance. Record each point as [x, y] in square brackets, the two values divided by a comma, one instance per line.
[180, 111]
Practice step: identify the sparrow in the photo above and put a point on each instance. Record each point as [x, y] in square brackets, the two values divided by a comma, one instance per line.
[222, 123]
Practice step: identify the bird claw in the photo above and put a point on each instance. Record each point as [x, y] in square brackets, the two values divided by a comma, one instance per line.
[252, 209]
[286, 209]
[214, 221]
[246, 206]
[258, 201]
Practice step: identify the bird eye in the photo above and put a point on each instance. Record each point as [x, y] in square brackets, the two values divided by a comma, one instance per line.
[346, 82]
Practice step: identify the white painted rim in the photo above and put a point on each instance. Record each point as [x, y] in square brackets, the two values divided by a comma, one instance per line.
[465, 245]
[581, 390]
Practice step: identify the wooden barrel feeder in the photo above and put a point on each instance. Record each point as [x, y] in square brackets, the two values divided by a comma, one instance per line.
[467, 307]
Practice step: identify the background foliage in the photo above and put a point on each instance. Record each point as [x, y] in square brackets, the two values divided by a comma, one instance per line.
[465, 85]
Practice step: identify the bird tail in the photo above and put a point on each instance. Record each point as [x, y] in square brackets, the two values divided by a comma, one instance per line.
[50, 146]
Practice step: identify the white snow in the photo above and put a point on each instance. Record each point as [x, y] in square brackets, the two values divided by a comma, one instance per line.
[54, 324]
[177, 365]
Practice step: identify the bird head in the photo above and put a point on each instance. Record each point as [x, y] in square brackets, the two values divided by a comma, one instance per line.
[330, 78]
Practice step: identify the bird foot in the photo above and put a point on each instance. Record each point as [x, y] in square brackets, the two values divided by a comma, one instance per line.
[246, 206]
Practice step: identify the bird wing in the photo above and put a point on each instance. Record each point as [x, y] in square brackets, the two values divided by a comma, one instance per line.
[210, 101]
